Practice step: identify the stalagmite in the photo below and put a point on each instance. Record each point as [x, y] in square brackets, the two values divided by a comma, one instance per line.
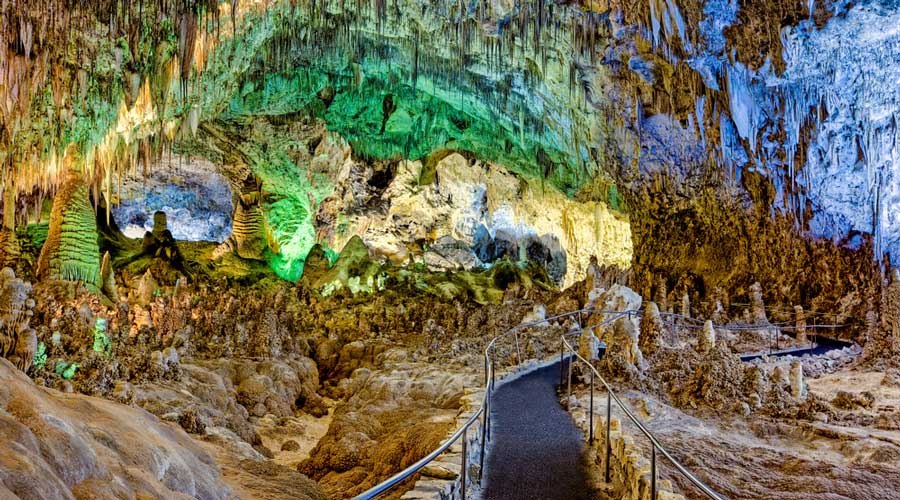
[800, 323]
[798, 386]
[588, 344]
[661, 294]
[720, 310]
[9, 244]
[686, 305]
[249, 239]
[707, 339]
[890, 313]
[651, 329]
[71, 251]
[757, 306]
[780, 376]
[719, 316]
[18, 341]
[108, 278]
[160, 223]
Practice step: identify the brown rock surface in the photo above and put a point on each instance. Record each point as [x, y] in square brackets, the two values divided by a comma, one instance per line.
[57, 446]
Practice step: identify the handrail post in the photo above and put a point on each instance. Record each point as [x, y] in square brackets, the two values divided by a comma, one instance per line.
[591, 432]
[481, 458]
[561, 366]
[569, 384]
[653, 472]
[518, 351]
[485, 369]
[463, 466]
[487, 415]
[608, 420]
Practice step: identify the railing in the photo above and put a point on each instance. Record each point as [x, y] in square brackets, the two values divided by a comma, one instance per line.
[610, 397]
[484, 410]
[678, 322]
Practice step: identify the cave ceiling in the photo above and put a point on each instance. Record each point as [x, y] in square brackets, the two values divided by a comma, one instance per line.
[595, 98]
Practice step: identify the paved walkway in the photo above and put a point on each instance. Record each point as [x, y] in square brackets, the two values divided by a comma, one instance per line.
[535, 448]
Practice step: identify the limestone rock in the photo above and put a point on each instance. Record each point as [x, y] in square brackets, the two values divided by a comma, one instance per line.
[798, 386]
[621, 337]
[18, 341]
[651, 329]
[757, 306]
[290, 445]
[108, 278]
[458, 213]
[146, 288]
[707, 339]
[78, 446]
[71, 251]
[538, 313]
[800, 323]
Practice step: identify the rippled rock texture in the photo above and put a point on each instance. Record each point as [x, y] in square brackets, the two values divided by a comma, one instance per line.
[59, 446]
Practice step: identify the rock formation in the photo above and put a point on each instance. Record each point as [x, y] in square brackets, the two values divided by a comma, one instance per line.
[800, 324]
[248, 233]
[108, 278]
[18, 341]
[393, 205]
[651, 329]
[623, 335]
[9, 244]
[71, 252]
[798, 386]
[707, 338]
[890, 317]
[65, 446]
[757, 306]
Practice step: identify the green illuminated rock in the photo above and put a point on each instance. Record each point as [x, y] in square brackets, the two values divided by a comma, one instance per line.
[71, 251]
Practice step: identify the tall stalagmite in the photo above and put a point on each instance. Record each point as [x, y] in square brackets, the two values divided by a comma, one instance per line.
[71, 251]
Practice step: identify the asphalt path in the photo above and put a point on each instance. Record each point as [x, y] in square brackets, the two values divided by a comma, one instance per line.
[536, 451]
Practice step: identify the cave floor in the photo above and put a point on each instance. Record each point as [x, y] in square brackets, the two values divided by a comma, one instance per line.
[847, 456]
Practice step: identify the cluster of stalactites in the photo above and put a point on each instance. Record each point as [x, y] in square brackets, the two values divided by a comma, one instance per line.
[40, 37]
[43, 55]
[46, 49]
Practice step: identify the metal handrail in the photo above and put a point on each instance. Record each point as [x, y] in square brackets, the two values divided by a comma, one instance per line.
[482, 411]
[656, 445]
[682, 322]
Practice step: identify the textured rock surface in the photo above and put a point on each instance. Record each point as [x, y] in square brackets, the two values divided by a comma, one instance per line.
[193, 193]
[622, 336]
[18, 341]
[71, 446]
[71, 251]
[469, 213]
[391, 417]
